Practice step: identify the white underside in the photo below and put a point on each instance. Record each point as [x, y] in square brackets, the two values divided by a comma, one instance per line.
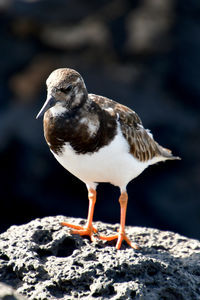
[112, 163]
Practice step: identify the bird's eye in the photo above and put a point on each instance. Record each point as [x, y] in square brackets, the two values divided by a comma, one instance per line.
[66, 90]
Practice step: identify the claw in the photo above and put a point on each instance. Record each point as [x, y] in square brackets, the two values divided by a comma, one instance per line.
[120, 237]
[81, 230]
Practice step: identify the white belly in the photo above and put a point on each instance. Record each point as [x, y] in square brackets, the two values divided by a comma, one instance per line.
[112, 163]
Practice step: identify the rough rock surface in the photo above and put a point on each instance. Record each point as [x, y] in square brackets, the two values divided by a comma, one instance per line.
[42, 260]
[8, 293]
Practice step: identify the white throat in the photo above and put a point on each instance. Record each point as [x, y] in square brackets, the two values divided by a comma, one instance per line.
[57, 110]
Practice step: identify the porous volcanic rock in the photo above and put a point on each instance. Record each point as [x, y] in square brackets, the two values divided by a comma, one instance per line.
[42, 260]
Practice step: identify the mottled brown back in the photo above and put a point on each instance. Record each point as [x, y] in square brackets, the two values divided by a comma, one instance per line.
[142, 145]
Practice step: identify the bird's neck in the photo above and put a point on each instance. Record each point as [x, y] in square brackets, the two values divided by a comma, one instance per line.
[77, 100]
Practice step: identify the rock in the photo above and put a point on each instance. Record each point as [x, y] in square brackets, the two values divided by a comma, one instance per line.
[89, 32]
[8, 293]
[148, 27]
[36, 73]
[42, 260]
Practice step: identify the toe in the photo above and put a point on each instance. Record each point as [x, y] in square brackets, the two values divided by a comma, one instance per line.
[78, 227]
[108, 238]
[120, 238]
[81, 230]
[134, 246]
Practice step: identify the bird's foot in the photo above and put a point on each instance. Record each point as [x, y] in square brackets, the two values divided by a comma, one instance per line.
[120, 237]
[81, 230]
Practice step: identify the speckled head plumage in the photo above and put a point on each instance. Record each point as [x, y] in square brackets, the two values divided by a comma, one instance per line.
[65, 88]
[61, 77]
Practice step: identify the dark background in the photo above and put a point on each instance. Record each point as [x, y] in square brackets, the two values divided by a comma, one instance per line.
[144, 54]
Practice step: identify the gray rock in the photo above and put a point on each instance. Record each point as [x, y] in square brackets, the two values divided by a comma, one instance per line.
[8, 293]
[42, 260]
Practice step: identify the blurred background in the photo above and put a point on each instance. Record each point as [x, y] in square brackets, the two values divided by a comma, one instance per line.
[144, 54]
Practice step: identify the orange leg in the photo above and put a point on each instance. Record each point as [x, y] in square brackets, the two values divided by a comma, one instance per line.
[121, 235]
[88, 229]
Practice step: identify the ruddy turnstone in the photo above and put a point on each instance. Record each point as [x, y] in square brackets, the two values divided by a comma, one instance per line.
[97, 140]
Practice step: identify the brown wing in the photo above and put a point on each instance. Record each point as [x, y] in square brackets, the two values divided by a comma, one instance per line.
[142, 145]
[124, 112]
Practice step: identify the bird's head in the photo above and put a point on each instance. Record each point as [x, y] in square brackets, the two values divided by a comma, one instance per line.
[65, 90]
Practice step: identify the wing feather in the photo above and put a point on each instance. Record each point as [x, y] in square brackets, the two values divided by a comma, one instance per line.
[141, 142]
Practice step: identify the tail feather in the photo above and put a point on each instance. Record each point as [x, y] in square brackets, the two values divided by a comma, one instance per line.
[173, 157]
[166, 153]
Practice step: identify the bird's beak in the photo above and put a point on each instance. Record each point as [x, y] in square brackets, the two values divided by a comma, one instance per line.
[48, 104]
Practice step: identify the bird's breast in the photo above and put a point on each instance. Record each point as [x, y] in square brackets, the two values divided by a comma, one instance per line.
[84, 132]
[112, 163]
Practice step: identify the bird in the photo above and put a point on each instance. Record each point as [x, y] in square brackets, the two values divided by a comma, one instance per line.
[97, 140]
